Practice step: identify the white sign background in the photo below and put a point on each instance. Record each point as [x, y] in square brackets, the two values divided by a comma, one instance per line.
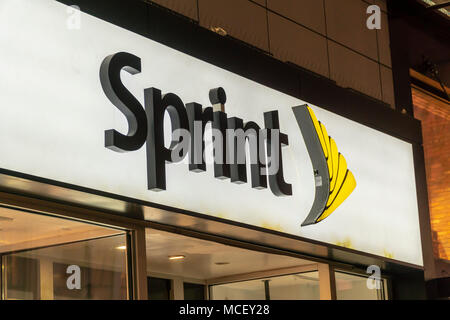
[54, 113]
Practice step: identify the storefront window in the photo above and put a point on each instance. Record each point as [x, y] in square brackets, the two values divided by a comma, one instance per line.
[193, 291]
[196, 269]
[302, 286]
[45, 257]
[354, 287]
[243, 290]
[158, 289]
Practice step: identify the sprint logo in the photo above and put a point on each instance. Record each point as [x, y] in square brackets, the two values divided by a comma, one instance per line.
[334, 182]
[230, 135]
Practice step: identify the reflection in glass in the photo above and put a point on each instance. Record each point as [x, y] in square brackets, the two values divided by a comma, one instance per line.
[22, 277]
[244, 290]
[302, 286]
[45, 257]
[193, 291]
[354, 287]
[158, 288]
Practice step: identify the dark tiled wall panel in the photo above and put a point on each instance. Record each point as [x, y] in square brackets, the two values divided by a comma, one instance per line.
[307, 33]
[308, 83]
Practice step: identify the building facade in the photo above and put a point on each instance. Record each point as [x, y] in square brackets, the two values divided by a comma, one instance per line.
[101, 201]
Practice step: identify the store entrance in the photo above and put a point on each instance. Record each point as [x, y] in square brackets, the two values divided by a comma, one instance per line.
[45, 256]
[181, 267]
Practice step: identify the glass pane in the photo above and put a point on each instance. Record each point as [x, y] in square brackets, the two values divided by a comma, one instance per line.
[158, 289]
[194, 291]
[23, 283]
[102, 269]
[353, 287]
[244, 290]
[204, 261]
[45, 257]
[302, 286]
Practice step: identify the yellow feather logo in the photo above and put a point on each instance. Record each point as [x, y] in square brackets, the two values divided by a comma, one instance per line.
[334, 182]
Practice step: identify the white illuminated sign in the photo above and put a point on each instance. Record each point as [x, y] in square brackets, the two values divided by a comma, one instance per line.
[54, 114]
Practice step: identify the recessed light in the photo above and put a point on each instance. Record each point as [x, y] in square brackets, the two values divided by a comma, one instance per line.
[176, 257]
[121, 247]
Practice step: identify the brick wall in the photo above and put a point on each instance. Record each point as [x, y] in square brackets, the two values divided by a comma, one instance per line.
[435, 116]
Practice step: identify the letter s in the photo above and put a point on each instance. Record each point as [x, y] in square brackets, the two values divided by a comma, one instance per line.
[124, 101]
